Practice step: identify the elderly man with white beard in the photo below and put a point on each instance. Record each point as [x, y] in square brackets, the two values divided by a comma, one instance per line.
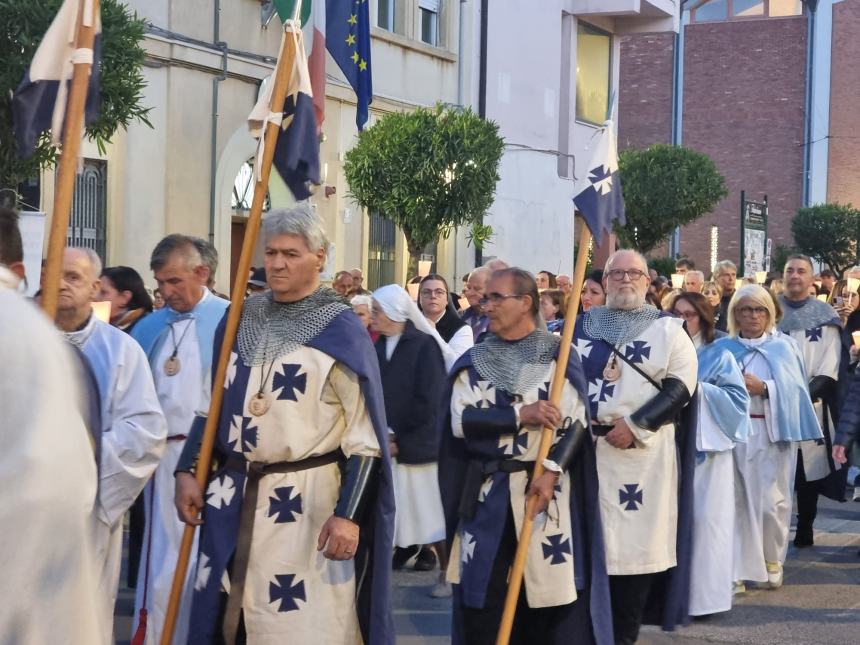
[641, 370]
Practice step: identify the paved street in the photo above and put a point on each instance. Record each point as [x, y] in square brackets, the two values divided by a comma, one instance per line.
[819, 604]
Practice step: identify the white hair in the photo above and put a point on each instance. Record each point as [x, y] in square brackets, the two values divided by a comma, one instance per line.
[301, 221]
[612, 257]
[92, 257]
[758, 295]
[696, 273]
[722, 266]
[362, 299]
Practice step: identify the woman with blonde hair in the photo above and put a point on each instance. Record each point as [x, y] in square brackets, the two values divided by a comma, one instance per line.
[781, 414]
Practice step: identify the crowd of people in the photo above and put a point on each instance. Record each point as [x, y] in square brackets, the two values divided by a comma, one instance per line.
[363, 431]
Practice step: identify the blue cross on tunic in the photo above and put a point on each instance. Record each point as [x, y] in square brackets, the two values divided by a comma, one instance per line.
[631, 496]
[637, 351]
[289, 381]
[814, 334]
[283, 590]
[283, 506]
[555, 548]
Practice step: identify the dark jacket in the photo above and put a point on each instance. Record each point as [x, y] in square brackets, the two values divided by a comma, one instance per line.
[848, 427]
[412, 384]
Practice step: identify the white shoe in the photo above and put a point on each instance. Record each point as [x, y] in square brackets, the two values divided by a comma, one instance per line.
[774, 574]
[441, 589]
[856, 497]
[738, 588]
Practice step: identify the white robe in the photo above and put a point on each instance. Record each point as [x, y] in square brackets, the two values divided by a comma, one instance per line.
[763, 483]
[713, 518]
[821, 354]
[181, 396]
[639, 486]
[49, 584]
[132, 442]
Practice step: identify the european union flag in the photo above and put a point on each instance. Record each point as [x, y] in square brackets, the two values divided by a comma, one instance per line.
[348, 42]
[598, 195]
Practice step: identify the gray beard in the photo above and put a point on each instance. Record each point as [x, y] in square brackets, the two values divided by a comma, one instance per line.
[624, 301]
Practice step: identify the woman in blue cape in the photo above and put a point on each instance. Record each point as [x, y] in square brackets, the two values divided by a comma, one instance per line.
[781, 414]
[721, 420]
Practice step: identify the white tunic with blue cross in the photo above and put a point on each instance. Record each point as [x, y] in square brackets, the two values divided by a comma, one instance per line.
[549, 574]
[639, 485]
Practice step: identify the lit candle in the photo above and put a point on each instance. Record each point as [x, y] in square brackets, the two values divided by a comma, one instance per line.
[413, 290]
[822, 297]
[739, 282]
[677, 280]
[855, 336]
[424, 267]
[760, 277]
[101, 310]
[853, 284]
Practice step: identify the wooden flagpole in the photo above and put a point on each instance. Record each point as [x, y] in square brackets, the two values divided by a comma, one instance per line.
[68, 166]
[515, 579]
[284, 69]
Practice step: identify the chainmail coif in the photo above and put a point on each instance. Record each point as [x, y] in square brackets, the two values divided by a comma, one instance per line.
[271, 329]
[618, 326]
[515, 366]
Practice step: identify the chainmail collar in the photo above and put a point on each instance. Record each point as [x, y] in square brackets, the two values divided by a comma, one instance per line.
[271, 329]
[618, 326]
[806, 314]
[515, 366]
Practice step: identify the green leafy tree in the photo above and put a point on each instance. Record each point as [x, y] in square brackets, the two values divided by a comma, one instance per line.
[428, 171]
[828, 233]
[665, 187]
[24, 24]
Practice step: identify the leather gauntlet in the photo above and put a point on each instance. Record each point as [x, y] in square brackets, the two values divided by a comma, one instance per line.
[662, 408]
[569, 446]
[481, 423]
[357, 485]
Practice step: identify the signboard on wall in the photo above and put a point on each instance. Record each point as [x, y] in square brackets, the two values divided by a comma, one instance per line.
[754, 251]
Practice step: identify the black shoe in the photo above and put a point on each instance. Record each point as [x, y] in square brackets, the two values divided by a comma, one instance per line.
[803, 537]
[402, 555]
[426, 560]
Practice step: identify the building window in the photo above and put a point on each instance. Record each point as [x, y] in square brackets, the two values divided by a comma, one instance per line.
[385, 14]
[429, 21]
[88, 221]
[593, 65]
[381, 251]
[712, 10]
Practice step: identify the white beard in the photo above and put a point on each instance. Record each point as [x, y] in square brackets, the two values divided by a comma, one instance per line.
[624, 301]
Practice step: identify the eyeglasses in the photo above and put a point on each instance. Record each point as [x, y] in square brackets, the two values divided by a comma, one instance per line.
[496, 298]
[686, 315]
[439, 293]
[633, 274]
[750, 311]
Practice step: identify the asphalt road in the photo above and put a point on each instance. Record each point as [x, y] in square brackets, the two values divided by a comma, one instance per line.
[819, 603]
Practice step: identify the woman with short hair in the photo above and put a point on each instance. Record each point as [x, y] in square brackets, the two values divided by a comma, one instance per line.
[781, 414]
[593, 293]
[545, 280]
[129, 300]
[434, 301]
[552, 309]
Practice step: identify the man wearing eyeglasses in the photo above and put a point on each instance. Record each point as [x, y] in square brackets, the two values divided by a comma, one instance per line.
[498, 404]
[641, 367]
[816, 328]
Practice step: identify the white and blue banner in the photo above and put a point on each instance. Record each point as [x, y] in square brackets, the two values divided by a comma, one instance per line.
[598, 195]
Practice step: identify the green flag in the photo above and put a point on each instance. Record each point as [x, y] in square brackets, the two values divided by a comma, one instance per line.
[286, 9]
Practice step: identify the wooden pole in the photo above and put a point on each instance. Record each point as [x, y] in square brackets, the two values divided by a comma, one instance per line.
[68, 166]
[515, 579]
[237, 298]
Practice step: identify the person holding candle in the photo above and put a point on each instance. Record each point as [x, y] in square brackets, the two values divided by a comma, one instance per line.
[817, 330]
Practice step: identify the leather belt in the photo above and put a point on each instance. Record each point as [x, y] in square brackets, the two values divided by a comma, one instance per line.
[255, 471]
[177, 437]
[601, 429]
[757, 416]
[476, 471]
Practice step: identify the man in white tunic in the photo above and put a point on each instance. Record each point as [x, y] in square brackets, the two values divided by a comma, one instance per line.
[781, 414]
[49, 585]
[641, 370]
[498, 399]
[816, 328]
[296, 544]
[177, 340]
[132, 431]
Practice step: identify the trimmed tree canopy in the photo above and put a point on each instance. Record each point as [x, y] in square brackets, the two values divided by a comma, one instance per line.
[828, 233]
[665, 187]
[427, 171]
[24, 24]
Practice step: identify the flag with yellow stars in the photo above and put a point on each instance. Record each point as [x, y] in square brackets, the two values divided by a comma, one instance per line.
[348, 42]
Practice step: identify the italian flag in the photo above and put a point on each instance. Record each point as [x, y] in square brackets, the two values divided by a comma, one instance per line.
[313, 26]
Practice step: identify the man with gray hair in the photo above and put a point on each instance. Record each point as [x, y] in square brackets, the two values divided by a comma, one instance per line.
[694, 281]
[131, 436]
[209, 256]
[297, 538]
[177, 340]
[474, 315]
[725, 274]
[640, 366]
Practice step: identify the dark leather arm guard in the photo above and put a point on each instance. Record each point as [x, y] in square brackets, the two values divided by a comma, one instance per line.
[479, 423]
[663, 407]
[568, 447]
[357, 484]
[191, 450]
[820, 387]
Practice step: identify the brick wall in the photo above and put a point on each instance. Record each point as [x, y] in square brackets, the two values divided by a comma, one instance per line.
[744, 89]
[843, 174]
